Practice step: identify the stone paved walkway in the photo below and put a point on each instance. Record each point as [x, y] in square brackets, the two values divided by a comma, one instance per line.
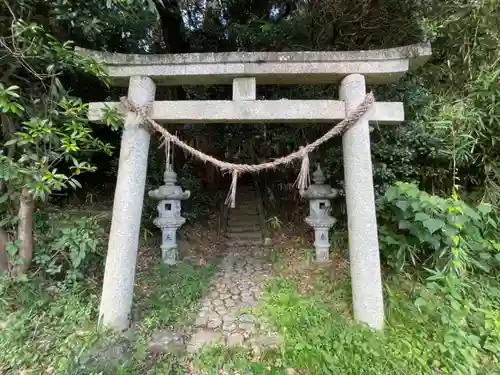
[224, 316]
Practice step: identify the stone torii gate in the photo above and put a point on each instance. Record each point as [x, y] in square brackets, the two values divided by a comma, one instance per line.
[244, 70]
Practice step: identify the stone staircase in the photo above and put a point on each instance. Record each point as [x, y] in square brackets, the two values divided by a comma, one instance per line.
[243, 221]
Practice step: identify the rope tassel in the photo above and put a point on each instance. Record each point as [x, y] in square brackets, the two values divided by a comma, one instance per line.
[303, 179]
[231, 196]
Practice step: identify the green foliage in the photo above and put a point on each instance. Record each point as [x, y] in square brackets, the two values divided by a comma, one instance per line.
[167, 296]
[442, 326]
[216, 358]
[464, 111]
[68, 247]
[469, 309]
[274, 223]
[417, 340]
[47, 142]
[53, 325]
[418, 228]
[46, 326]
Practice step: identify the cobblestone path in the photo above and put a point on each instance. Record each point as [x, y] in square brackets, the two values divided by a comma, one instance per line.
[224, 316]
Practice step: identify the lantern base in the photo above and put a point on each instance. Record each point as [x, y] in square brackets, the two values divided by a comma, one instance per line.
[169, 255]
[322, 245]
[322, 254]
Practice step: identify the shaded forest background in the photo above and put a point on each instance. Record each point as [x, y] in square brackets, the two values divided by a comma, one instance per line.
[452, 130]
[448, 144]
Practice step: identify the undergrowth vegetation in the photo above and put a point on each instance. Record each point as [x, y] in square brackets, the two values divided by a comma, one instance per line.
[51, 327]
[442, 299]
[438, 325]
[420, 229]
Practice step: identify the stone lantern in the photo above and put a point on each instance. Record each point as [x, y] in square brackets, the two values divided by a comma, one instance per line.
[169, 217]
[319, 195]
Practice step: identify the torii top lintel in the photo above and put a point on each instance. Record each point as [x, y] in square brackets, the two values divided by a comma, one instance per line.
[378, 66]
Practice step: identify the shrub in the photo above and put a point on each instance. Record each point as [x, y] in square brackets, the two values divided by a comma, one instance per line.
[447, 234]
[467, 314]
[67, 247]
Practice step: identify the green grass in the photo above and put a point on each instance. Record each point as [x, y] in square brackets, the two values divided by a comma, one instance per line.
[47, 326]
[438, 326]
[54, 326]
[321, 338]
[169, 294]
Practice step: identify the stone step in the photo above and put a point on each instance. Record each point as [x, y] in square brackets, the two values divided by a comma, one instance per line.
[245, 200]
[236, 243]
[243, 219]
[244, 209]
[243, 228]
[243, 215]
[244, 236]
[245, 225]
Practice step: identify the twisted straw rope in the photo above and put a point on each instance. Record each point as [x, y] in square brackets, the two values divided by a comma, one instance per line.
[238, 169]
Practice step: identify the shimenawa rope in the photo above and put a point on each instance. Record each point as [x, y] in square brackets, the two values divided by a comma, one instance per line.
[236, 170]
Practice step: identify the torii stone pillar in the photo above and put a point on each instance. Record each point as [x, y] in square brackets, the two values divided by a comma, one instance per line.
[119, 275]
[245, 70]
[361, 220]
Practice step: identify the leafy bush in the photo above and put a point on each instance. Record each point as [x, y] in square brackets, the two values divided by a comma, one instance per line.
[67, 247]
[470, 312]
[447, 234]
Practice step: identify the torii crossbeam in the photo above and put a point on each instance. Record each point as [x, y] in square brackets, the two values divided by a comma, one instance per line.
[353, 70]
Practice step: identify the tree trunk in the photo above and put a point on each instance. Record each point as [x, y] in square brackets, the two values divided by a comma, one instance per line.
[25, 231]
[4, 260]
[8, 128]
[174, 34]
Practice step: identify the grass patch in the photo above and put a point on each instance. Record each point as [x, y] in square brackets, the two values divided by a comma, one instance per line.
[53, 327]
[167, 295]
[46, 326]
[319, 338]
[433, 326]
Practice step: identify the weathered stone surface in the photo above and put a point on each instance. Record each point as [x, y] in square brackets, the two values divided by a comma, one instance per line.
[201, 321]
[245, 318]
[118, 284]
[224, 296]
[229, 327]
[203, 337]
[244, 88]
[221, 310]
[319, 195]
[252, 111]
[246, 294]
[235, 339]
[227, 318]
[379, 66]
[166, 342]
[246, 326]
[214, 323]
[214, 294]
[111, 355]
[212, 315]
[250, 300]
[217, 302]
[363, 238]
